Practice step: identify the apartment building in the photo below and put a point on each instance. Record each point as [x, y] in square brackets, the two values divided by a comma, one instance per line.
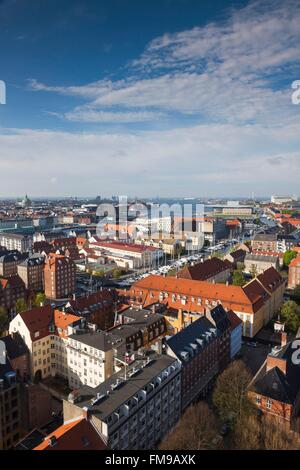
[90, 357]
[44, 332]
[252, 303]
[97, 308]
[203, 349]
[16, 241]
[264, 242]
[9, 263]
[31, 271]
[11, 290]
[59, 276]
[139, 327]
[10, 407]
[294, 273]
[136, 407]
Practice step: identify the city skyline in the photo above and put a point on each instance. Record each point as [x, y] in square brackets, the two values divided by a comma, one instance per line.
[106, 99]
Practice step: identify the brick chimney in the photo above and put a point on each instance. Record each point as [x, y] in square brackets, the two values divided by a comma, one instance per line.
[283, 339]
[273, 361]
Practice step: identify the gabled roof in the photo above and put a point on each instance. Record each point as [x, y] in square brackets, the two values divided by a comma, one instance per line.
[235, 321]
[232, 297]
[203, 271]
[273, 383]
[78, 434]
[191, 338]
[271, 279]
[38, 320]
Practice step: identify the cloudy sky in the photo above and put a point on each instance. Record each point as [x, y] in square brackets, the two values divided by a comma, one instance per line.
[160, 97]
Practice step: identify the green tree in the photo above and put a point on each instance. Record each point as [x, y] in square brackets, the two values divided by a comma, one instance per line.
[117, 273]
[230, 396]
[288, 256]
[238, 278]
[290, 315]
[21, 305]
[39, 299]
[3, 320]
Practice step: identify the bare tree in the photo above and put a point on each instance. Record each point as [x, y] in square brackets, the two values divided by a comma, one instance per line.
[197, 430]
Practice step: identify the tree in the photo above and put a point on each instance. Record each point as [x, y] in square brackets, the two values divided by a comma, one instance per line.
[290, 315]
[247, 433]
[196, 430]
[230, 394]
[288, 256]
[117, 273]
[264, 433]
[296, 292]
[3, 320]
[21, 305]
[39, 299]
[238, 278]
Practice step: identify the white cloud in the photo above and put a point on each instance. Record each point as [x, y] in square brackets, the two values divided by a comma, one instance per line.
[219, 72]
[200, 160]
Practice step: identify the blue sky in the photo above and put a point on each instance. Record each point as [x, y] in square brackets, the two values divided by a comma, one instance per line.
[168, 97]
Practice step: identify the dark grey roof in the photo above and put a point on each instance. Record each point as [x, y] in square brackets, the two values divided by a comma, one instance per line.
[192, 338]
[140, 317]
[103, 341]
[12, 256]
[266, 258]
[270, 237]
[15, 346]
[114, 398]
[274, 383]
[34, 260]
[220, 318]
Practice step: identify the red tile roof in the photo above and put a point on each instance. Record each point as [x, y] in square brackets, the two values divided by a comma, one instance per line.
[247, 299]
[38, 320]
[78, 434]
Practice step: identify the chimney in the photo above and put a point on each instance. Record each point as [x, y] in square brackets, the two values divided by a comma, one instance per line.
[181, 319]
[273, 361]
[283, 339]
[85, 412]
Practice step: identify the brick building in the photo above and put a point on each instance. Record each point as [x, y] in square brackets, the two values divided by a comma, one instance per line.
[252, 302]
[11, 290]
[197, 349]
[294, 272]
[264, 242]
[31, 271]
[97, 308]
[59, 276]
[275, 389]
[9, 263]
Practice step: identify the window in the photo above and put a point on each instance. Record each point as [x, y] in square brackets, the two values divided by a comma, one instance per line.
[258, 400]
[269, 404]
